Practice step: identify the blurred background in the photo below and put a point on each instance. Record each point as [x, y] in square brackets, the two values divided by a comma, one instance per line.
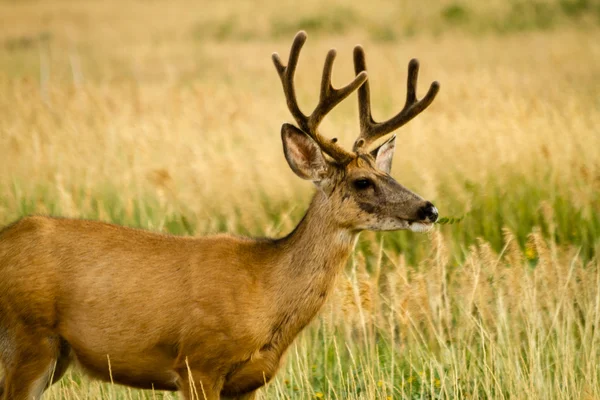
[166, 115]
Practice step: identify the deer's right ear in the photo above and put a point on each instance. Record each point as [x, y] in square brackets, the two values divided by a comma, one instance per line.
[303, 154]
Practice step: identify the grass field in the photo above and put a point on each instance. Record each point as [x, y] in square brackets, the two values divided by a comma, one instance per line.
[166, 116]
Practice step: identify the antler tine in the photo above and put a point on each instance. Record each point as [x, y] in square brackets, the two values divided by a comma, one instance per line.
[286, 74]
[364, 98]
[328, 99]
[371, 130]
[331, 97]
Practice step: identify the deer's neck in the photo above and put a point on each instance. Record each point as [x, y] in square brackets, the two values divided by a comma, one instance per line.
[310, 258]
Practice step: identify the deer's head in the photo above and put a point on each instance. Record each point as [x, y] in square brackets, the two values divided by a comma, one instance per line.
[358, 185]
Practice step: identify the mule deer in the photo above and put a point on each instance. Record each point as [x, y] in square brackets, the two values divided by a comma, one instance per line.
[211, 315]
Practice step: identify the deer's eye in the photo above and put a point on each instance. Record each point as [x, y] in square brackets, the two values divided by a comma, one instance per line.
[362, 184]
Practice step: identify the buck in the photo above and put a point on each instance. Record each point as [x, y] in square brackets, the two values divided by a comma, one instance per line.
[209, 316]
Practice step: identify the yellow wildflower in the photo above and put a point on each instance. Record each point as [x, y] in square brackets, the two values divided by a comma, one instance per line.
[530, 252]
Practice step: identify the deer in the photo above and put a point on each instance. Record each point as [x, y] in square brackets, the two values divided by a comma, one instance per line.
[208, 316]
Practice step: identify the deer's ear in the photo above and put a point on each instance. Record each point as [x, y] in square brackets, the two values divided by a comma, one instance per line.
[384, 154]
[303, 154]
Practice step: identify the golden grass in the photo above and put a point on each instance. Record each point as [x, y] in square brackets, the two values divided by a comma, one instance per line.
[106, 104]
[181, 116]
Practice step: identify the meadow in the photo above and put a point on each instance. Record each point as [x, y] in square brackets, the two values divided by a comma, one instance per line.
[166, 116]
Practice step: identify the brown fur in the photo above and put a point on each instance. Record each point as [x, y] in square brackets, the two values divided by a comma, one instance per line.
[150, 302]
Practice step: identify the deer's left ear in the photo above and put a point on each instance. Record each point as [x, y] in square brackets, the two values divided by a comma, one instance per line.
[303, 154]
[384, 154]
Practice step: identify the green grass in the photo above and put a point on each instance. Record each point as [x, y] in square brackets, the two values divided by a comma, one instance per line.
[515, 202]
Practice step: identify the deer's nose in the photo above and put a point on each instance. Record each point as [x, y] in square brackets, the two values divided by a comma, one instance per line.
[428, 212]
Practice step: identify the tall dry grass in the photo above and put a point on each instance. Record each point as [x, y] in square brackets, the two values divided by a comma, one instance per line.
[167, 116]
[493, 327]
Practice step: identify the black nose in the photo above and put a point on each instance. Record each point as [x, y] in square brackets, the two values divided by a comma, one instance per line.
[428, 212]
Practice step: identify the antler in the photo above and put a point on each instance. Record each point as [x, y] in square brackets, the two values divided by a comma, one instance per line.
[328, 99]
[371, 130]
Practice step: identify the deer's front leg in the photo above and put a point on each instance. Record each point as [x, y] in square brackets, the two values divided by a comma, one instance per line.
[196, 385]
[247, 396]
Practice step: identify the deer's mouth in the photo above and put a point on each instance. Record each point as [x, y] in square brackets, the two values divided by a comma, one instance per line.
[412, 225]
[420, 226]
